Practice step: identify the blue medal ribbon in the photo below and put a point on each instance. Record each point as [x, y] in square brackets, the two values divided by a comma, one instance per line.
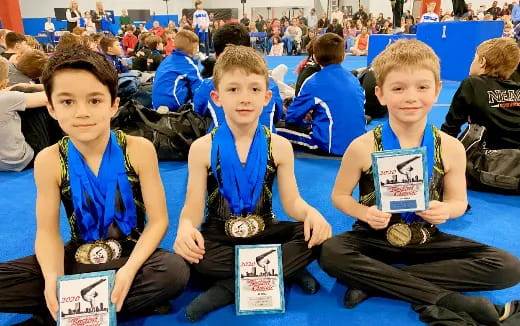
[94, 197]
[240, 185]
[390, 141]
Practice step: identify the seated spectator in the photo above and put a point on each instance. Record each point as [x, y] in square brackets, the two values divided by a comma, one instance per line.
[349, 34]
[488, 97]
[292, 37]
[141, 53]
[157, 29]
[361, 44]
[113, 51]
[334, 100]
[234, 34]
[276, 47]
[29, 67]
[16, 44]
[169, 36]
[373, 108]
[172, 26]
[178, 77]
[306, 40]
[129, 40]
[16, 153]
[154, 59]
[409, 26]
[430, 16]
[335, 27]
[307, 67]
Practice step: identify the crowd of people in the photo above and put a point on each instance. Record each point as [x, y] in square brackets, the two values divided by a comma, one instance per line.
[56, 117]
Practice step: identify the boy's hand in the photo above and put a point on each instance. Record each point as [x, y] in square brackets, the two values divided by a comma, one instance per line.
[124, 278]
[189, 244]
[437, 213]
[377, 219]
[320, 228]
[51, 298]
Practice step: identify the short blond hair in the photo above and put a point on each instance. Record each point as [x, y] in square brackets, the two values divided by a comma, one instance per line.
[502, 56]
[240, 57]
[185, 41]
[4, 69]
[405, 54]
[32, 62]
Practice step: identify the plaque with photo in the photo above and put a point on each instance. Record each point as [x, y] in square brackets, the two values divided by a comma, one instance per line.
[259, 279]
[401, 180]
[84, 299]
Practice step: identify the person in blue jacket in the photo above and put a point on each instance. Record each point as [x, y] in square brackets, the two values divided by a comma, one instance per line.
[332, 99]
[178, 77]
[235, 34]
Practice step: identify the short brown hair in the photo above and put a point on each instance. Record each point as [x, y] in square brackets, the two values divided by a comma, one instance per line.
[67, 39]
[240, 57]
[329, 49]
[198, 2]
[152, 41]
[78, 31]
[107, 42]
[4, 69]
[405, 54]
[502, 56]
[13, 38]
[184, 40]
[77, 57]
[32, 62]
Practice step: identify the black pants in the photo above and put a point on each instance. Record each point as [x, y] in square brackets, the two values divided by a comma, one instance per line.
[458, 7]
[218, 264]
[398, 13]
[162, 277]
[363, 260]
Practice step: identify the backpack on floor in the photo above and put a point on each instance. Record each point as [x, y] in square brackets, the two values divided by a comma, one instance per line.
[172, 133]
[488, 169]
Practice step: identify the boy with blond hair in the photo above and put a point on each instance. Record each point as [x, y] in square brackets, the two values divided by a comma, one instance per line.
[437, 269]
[178, 77]
[488, 97]
[242, 143]
[110, 186]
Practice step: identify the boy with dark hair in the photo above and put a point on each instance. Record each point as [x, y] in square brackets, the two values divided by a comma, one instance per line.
[15, 45]
[438, 266]
[488, 97]
[234, 34]
[113, 51]
[110, 186]
[335, 100]
[177, 78]
[242, 143]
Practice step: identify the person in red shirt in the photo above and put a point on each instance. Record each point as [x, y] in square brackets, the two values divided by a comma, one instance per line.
[129, 40]
[168, 36]
[157, 29]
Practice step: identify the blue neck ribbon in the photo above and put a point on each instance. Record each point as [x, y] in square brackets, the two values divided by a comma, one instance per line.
[241, 185]
[94, 197]
[390, 142]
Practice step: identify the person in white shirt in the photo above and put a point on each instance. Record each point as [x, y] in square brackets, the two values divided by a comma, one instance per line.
[50, 29]
[430, 16]
[201, 24]
[312, 20]
[337, 15]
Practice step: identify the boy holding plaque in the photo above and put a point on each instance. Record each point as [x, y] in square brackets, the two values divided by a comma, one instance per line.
[437, 265]
[110, 186]
[236, 165]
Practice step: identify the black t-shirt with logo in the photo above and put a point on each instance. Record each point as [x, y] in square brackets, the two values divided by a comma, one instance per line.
[490, 102]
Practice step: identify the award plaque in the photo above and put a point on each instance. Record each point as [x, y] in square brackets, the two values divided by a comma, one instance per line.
[84, 299]
[401, 180]
[259, 279]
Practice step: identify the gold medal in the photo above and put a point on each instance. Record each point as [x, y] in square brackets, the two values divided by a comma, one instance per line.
[399, 234]
[116, 248]
[97, 252]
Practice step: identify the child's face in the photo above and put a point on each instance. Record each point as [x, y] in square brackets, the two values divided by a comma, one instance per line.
[81, 104]
[243, 96]
[409, 93]
[115, 49]
[160, 46]
[477, 66]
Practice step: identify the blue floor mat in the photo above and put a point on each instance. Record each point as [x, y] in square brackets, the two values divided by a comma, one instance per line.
[492, 220]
